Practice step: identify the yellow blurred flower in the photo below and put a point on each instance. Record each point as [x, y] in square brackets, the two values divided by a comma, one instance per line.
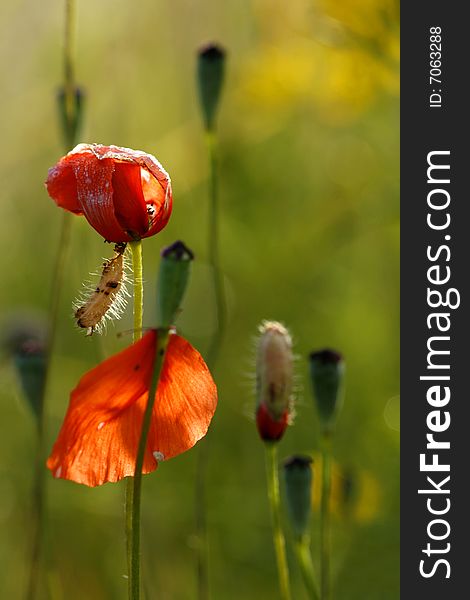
[355, 494]
[336, 57]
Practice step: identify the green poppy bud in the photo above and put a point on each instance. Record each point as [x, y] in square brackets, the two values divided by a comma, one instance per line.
[172, 281]
[210, 75]
[298, 480]
[326, 371]
[30, 361]
[70, 113]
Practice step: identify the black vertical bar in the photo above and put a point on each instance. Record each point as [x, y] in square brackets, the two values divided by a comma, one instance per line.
[429, 124]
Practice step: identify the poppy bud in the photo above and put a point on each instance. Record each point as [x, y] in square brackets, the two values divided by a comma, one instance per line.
[326, 371]
[172, 281]
[124, 194]
[70, 113]
[274, 375]
[298, 479]
[31, 362]
[210, 74]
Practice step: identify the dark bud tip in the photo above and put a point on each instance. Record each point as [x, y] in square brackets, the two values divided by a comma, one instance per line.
[212, 52]
[31, 347]
[177, 251]
[298, 461]
[326, 357]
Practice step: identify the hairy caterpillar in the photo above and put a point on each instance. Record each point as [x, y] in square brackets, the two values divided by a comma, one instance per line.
[106, 300]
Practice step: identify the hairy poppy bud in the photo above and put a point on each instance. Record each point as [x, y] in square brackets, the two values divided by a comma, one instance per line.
[298, 479]
[274, 377]
[210, 72]
[172, 281]
[326, 371]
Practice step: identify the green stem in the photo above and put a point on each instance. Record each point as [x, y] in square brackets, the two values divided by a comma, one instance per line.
[138, 289]
[38, 499]
[202, 547]
[275, 506]
[137, 268]
[69, 76]
[325, 520]
[212, 355]
[162, 342]
[302, 550]
[214, 253]
[38, 492]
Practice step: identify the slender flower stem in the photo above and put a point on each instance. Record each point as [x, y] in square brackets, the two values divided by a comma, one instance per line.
[38, 491]
[138, 289]
[69, 73]
[162, 343]
[302, 550]
[137, 268]
[325, 520]
[214, 252]
[212, 355]
[275, 506]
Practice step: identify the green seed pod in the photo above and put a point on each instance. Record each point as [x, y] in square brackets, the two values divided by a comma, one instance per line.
[70, 114]
[30, 361]
[298, 480]
[172, 281]
[210, 76]
[326, 371]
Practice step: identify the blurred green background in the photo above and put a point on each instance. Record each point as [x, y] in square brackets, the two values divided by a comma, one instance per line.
[310, 221]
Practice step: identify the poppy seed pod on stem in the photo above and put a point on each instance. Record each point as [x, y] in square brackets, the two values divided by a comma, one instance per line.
[124, 194]
[172, 281]
[298, 480]
[274, 380]
[70, 112]
[210, 76]
[30, 359]
[326, 371]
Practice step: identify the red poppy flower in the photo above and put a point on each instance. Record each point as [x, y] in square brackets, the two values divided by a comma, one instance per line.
[100, 434]
[124, 194]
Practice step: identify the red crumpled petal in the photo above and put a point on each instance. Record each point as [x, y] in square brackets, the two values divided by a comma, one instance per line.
[124, 194]
[95, 195]
[99, 437]
[128, 199]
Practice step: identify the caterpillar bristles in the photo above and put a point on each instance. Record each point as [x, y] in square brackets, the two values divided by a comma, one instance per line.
[107, 300]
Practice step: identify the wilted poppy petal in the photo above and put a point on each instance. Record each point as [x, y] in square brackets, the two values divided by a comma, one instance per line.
[185, 402]
[100, 434]
[95, 194]
[124, 194]
[129, 204]
[62, 186]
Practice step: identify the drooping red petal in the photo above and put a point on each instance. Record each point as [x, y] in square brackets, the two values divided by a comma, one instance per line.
[159, 199]
[124, 194]
[95, 194]
[185, 402]
[99, 437]
[62, 185]
[129, 203]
